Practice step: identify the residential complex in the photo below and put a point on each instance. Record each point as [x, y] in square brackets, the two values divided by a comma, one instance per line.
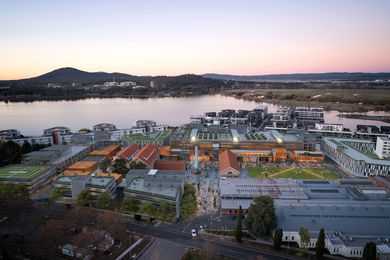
[355, 156]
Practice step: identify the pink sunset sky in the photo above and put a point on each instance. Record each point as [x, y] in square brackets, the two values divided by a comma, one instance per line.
[177, 37]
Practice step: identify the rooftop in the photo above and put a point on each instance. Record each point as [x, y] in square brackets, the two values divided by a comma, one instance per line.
[172, 165]
[21, 172]
[227, 160]
[344, 216]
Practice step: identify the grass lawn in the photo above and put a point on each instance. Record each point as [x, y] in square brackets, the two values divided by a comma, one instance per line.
[154, 136]
[21, 172]
[294, 173]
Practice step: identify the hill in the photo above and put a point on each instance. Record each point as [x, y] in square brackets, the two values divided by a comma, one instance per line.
[70, 75]
[304, 76]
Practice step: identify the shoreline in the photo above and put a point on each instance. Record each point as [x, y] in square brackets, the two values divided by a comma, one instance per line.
[341, 107]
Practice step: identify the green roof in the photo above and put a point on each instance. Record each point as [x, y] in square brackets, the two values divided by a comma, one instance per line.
[21, 172]
[154, 136]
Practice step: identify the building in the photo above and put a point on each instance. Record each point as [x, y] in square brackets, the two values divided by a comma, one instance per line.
[128, 152]
[170, 165]
[9, 134]
[236, 192]
[34, 177]
[330, 130]
[309, 114]
[58, 133]
[382, 148]
[355, 156]
[230, 117]
[371, 132]
[45, 140]
[150, 126]
[228, 164]
[59, 156]
[156, 186]
[81, 168]
[104, 127]
[108, 152]
[72, 186]
[147, 155]
[339, 207]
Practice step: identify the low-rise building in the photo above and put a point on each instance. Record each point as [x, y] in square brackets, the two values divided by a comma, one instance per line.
[72, 186]
[59, 156]
[355, 156]
[382, 148]
[34, 177]
[228, 164]
[333, 130]
[156, 186]
[147, 155]
[128, 152]
[108, 152]
[170, 165]
[104, 127]
[81, 168]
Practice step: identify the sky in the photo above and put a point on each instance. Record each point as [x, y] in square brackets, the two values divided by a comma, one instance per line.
[149, 37]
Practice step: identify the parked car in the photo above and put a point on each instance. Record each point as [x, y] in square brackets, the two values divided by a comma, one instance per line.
[3, 219]
[193, 233]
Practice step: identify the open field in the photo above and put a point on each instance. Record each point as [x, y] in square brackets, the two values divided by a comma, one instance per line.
[343, 100]
[294, 173]
[21, 172]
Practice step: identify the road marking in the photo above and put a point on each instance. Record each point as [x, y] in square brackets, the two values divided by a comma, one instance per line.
[186, 227]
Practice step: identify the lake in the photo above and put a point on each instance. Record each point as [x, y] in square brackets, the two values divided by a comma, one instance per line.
[31, 118]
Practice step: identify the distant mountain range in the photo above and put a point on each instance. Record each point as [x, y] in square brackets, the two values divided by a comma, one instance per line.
[69, 75]
[304, 76]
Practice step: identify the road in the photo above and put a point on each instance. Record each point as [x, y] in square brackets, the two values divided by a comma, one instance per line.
[184, 238]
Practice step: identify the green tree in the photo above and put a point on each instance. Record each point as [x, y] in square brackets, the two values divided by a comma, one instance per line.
[104, 164]
[188, 204]
[20, 192]
[120, 166]
[305, 236]
[129, 205]
[103, 201]
[166, 212]
[369, 251]
[148, 208]
[320, 244]
[238, 233]
[261, 218]
[10, 153]
[137, 165]
[84, 198]
[56, 194]
[26, 147]
[278, 238]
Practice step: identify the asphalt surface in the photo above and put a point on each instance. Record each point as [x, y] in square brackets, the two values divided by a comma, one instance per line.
[185, 238]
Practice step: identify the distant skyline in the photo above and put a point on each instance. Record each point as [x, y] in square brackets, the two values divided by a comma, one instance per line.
[177, 37]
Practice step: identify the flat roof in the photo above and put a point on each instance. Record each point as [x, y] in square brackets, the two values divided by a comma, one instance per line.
[82, 165]
[253, 187]
[356, 219]
[138, 185]
[22, 172]
[353, 153]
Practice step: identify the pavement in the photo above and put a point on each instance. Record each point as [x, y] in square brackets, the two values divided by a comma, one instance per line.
[184, 239]
[164, 249]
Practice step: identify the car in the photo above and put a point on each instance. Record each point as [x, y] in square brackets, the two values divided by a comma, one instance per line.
[193, 233]
[3, 219]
